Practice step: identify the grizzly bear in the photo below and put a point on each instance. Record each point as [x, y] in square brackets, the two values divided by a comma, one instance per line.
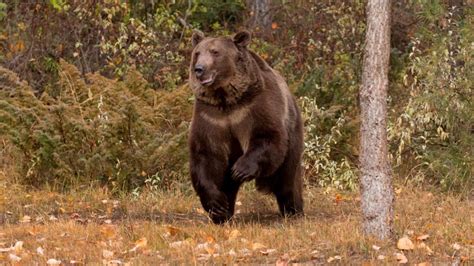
[245, 126]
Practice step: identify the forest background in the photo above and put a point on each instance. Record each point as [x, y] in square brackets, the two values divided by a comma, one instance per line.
[94, 94]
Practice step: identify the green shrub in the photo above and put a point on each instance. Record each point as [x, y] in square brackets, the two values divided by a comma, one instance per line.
[432, 135]
[326, 164]
[113, 132]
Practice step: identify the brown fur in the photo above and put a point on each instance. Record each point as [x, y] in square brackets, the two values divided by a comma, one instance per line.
[246, 125]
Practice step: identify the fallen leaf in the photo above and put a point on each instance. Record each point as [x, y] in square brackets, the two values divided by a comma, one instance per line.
[401, 258]
[234, 234]
[380, 257]
[338, 198]
[422, 245]
[456, 246]
[14, 257]
[210, 239]
[40, 251]
[405, 243]
[245, 252]
[6, 249]
[107, 254]
[173, 230]
[423, 237]
[202, 257]
[256, 246]
[33, 231]
[268, 251]
[331, 259]
[283, 260]
[424, 264]
[177, 244]
[18, 247]
[374, 247]
[202, 246]
[140, 243]
[53, 262]
[108, 231]
[316, 254]
[25, 219]
[232, 253]
[274, 25]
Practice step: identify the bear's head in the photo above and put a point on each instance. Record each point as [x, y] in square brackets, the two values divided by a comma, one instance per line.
[221, 65]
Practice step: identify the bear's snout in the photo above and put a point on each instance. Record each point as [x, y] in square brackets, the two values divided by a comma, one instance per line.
[199, 70]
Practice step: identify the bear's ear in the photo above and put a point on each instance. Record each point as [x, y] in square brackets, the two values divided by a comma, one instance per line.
[197, 37]
[242, 38]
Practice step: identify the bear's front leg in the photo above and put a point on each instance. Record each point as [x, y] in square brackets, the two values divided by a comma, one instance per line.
[207, 175]
[267, 151]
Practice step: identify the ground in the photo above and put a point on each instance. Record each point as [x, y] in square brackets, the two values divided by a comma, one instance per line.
[90, 226]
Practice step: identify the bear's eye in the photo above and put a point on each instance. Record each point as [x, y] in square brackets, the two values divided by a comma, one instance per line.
[196, 54]
[214, 52]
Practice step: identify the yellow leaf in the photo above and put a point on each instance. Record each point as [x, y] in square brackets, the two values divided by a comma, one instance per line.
[107, 254]
[25, 219]
[14, 258]
[141, 243]
[108, 231]
[423, 237]
[331, 259]
[40, 251]
[456, 246]
[424, 264]
[177, 244]
[173, 230]
[256, 246]
[53, 262]
[401, 258]
[210, 239]
[422, 245]
[268, 251]
[405, 243]
[18, 247]
[234, 234]
[274, 25]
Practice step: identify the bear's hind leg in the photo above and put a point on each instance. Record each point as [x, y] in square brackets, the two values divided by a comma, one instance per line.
[290, 203]
[288, 192]
[288, 184]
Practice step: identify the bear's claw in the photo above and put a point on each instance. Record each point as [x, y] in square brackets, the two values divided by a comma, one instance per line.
[245, 170]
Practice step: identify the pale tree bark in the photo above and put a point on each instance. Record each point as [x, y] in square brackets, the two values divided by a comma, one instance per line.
[261, 16]
[377, 193]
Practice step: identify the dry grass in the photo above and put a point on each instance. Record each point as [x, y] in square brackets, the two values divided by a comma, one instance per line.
[89, 226]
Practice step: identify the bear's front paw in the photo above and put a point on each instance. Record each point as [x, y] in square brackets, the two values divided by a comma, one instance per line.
[245, 169]
[218, 208]
[218, 205]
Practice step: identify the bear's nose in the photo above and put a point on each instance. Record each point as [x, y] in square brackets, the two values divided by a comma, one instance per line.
[199, 70]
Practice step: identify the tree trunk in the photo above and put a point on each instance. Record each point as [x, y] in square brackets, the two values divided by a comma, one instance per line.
[377, 192]
[261, 16]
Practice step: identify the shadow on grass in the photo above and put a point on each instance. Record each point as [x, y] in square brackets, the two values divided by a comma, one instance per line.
[267, 218]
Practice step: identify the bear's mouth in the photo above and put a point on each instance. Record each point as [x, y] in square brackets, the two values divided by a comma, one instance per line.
[208, 81]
